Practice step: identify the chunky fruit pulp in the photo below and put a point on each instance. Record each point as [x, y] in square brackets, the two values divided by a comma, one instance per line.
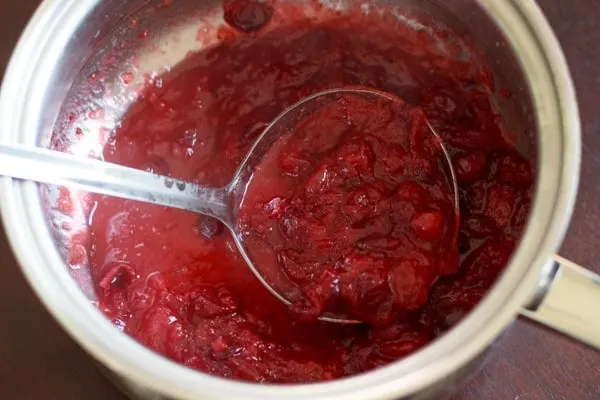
[351, 212]
[175, 281]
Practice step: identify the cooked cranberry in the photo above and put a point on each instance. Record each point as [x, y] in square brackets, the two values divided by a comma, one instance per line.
[407, 343]
[286, 260]
[478, 226]
[470, 167]
[410, 282]
[64, 202]
[362, 204]
[514, 170]
[470, 139]
[293, 163]
[521, 215]
[486, 262]
[500, 204]
[451, 301]
[209, 303]
[474, 199]
[428, 225]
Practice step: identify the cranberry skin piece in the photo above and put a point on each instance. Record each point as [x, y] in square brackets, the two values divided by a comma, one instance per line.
[472, 200]
[363, 286]
[439, 105]
[515, 171]
[64, 203]
[478, 226]
[77, 255]
[361, 204]
[290, 267]
[210, 303]
[470, 139]
[118, 277]
[412, 192]
[405, 344]
[500, 204]
[483, 265]
[521, 215]
[311, 305]
[451, 301]
[155, 329]
[356, 155]
[291, 226]
[322, 180]
[410, 280]
[470, 167]
[141, 297]
[392, 158]
[428, 225]
[362, 279]
[293, 164]
[275, 208]
[247, 15]
[388, 344]
[208, 227]
[448, 262]
[416, 167]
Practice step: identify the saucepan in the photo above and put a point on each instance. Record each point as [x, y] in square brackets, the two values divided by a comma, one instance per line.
[67, 39]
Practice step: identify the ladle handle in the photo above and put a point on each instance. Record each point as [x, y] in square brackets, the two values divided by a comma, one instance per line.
[56, 168]
[569, 301]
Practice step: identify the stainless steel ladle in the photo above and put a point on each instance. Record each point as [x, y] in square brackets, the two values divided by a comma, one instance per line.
[53, 167]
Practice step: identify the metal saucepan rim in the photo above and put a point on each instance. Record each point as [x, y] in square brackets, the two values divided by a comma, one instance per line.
[22, 215]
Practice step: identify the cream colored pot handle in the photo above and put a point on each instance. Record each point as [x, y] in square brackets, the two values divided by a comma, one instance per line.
[569, 302]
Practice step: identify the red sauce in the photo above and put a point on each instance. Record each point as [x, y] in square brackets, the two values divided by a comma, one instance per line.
[175, 281]
[354, 206]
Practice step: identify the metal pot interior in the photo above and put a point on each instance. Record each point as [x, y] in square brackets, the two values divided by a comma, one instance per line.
[138, 38]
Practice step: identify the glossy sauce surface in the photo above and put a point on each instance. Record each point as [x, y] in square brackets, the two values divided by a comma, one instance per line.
[175, 281]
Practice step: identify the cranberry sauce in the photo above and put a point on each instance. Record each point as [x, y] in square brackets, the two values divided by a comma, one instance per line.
[175, 281]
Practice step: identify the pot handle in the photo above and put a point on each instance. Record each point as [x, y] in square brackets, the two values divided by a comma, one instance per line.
[568, 300]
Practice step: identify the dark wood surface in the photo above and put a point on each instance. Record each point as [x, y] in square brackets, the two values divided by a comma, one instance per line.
[38, 361]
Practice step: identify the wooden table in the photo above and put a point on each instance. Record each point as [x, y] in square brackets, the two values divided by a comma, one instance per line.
[38, 361]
